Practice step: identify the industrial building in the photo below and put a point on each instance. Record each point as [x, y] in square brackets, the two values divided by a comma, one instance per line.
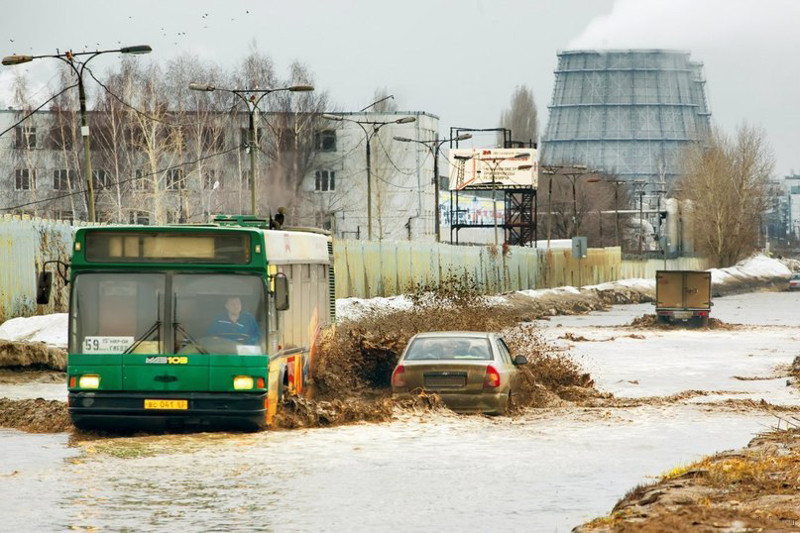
[628, 113]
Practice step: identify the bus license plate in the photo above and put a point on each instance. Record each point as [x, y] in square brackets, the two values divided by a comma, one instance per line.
[166, 404]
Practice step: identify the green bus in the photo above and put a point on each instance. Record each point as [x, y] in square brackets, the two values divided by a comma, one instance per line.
[192, 325]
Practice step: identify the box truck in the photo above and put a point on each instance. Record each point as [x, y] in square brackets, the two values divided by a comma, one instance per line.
[683, 296]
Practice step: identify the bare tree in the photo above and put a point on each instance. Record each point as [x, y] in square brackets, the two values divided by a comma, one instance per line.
[726, 180]
[522, 117]
[579, 204]
[63, 137]
[294, 140]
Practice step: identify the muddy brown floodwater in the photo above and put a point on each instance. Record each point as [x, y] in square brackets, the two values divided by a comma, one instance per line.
[425, 469]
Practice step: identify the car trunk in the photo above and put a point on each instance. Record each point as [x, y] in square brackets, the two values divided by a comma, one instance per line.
[445, 376]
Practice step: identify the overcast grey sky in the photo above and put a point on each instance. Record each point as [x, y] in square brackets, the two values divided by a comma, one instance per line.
[459, 60]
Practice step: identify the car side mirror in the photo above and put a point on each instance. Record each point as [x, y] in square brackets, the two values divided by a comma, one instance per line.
[281, 291]
[44, 286]
[520, 360]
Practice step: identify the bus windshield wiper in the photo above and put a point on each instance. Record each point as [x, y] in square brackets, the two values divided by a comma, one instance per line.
[144, 336]
[180, 329]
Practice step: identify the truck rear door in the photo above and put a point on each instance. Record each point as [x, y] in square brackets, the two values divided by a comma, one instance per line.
[698, 290]
[669, 289]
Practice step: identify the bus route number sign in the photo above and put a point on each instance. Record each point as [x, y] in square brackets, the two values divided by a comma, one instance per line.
[106, 344]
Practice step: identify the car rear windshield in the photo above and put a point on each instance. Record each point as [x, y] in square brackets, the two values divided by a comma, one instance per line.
[456, 348]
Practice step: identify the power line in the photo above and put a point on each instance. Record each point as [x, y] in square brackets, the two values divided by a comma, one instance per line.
[26, 117]
[126, 104]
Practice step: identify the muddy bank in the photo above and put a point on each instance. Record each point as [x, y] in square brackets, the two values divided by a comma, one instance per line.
[31, 354]
[756, 488]
[35, 416]
[652, 322]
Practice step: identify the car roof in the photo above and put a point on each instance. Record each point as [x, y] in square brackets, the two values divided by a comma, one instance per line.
[454, 334]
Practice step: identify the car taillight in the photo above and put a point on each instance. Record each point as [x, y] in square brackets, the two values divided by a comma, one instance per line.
[492, 378]
[398, 377]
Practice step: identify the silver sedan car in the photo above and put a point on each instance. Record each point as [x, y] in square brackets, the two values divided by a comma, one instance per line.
[473, 372]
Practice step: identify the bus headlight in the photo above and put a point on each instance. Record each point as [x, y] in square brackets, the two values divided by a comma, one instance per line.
[89, 381]
[242, 382]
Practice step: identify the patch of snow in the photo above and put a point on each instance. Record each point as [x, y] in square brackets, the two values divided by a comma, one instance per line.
[753, 268]
[639, 284]
[355, 308]
[50, 329]
[538, 293]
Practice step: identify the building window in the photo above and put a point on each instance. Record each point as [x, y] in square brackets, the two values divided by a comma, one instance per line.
[213, 139]
[65, 215]
[64, 180]
[139, 217]
[175, 217]
[175, 179]
[325, 141]
[60, 138]
[323, 220]
[245, 136]
[26, 137]
[325, 181]
[100, 179]
[143, 181]
[25, 179]
[285, 139]
[212, 179]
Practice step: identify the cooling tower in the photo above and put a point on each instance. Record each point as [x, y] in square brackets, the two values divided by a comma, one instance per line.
[627, 112]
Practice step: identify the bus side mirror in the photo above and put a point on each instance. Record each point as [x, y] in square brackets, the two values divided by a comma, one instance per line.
[44, 286]
[281, 291]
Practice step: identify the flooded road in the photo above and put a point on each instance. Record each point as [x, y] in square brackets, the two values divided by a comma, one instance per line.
[548, 470]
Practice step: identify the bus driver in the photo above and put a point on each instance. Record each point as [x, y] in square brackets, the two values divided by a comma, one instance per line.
[234, 324]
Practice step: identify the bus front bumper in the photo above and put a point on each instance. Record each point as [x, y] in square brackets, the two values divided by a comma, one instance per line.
[199, 410]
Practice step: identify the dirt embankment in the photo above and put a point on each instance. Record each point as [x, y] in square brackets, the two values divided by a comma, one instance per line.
[754, 489]
[14, 354]
[35, 416]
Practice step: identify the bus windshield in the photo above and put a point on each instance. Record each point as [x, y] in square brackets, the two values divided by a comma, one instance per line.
[168, 313]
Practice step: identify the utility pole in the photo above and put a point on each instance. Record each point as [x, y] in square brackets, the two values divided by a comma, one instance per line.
[69, 58]
[248, 96]
[376, 126]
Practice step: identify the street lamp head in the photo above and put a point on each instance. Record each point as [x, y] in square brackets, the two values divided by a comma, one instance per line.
[463, 137]
[301, 88]
[16, 59]
[138, 49]
[405, 120]
[201, 87]
[403, 139]
[332, 117]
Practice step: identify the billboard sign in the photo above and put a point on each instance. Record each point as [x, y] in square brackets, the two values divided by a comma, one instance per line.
[501, 168]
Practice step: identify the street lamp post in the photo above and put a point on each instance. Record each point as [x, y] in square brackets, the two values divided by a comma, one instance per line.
[251, 98]
[69, 58]
[376, 126]
[641, 184]
[434, 147]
